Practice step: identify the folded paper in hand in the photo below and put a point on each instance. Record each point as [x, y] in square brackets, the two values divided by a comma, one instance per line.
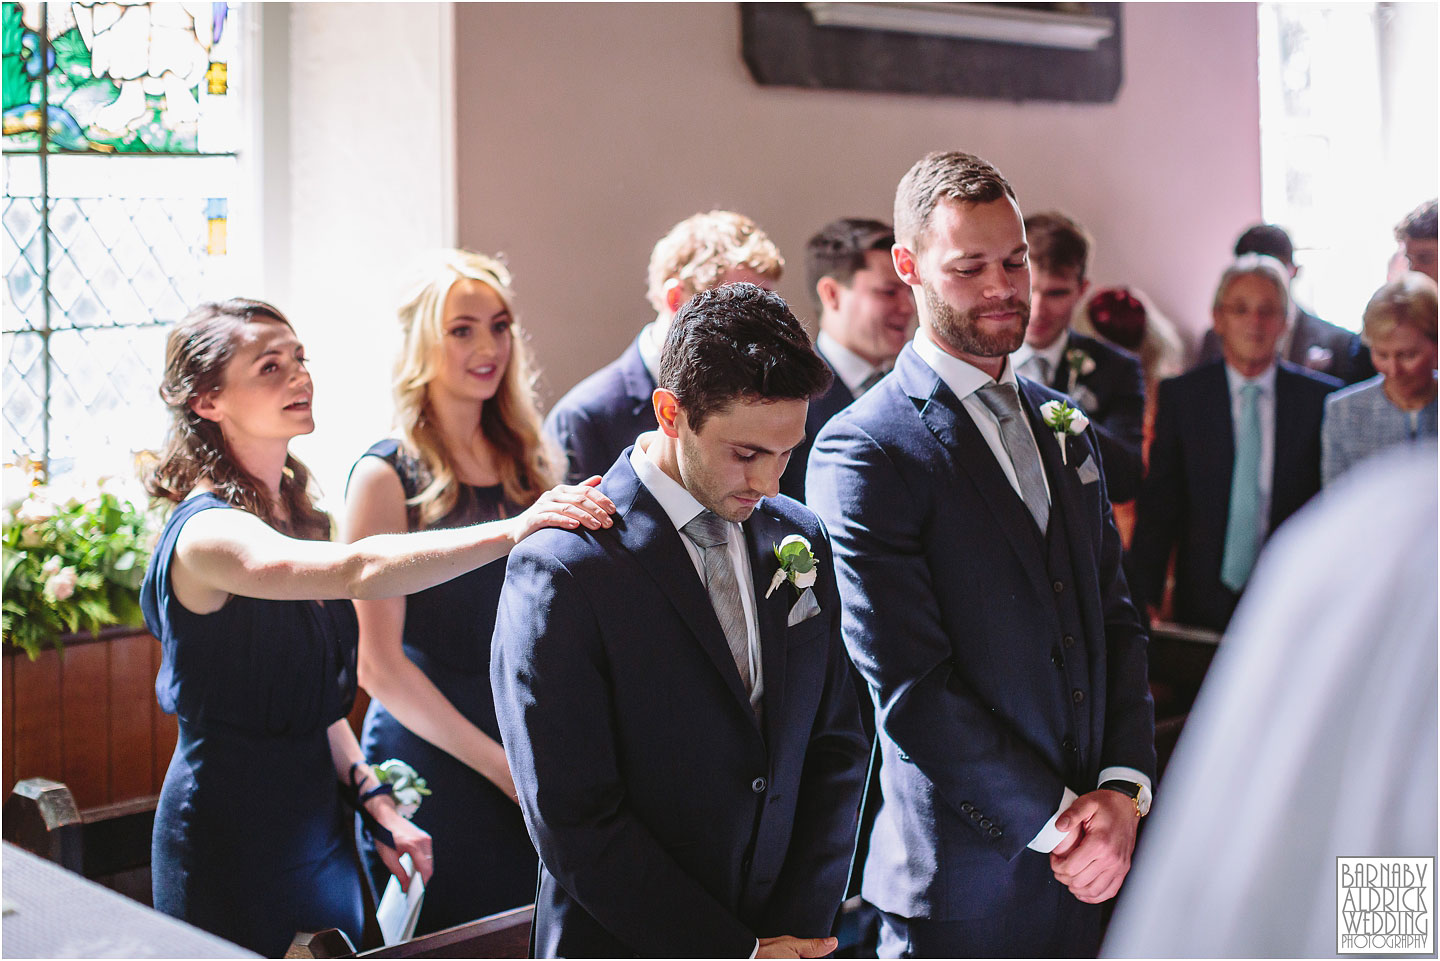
[399, 909]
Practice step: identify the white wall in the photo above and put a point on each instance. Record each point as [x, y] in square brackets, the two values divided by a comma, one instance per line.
[361, 178]
[586, 130]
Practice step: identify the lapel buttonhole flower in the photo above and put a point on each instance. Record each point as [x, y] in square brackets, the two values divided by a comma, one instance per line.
[1064, 420]
[797, 564]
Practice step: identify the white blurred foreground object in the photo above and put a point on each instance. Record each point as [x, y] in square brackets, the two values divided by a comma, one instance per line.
[1313, 738]
[399, 909]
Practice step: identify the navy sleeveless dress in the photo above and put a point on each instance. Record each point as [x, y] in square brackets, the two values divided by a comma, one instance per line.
[484, 861]
[251, 839]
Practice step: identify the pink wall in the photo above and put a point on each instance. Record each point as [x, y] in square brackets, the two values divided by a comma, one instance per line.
[586, 130]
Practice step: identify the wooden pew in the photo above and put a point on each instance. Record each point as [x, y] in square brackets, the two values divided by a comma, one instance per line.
[503, 935]
[1180, 657]
[109, 845]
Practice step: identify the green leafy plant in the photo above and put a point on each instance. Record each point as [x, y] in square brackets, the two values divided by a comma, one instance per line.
[74, 556]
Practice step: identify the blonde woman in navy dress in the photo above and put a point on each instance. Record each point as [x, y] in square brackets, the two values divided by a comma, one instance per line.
[467, 448]
[250, 602]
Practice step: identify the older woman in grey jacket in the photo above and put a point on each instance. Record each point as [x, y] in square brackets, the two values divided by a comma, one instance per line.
[1398, 405]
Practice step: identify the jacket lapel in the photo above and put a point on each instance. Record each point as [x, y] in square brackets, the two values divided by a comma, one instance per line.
[762, 532]
[1287, 411]
[941, 411]
[645, 530]
[1062, 474]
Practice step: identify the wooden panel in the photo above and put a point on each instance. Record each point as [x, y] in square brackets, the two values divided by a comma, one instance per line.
[85, 732]
[132, 735]
[37, 717]
[166, 728]
[7, 733]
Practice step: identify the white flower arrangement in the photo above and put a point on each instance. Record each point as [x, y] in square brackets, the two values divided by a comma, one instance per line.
[797, 564]
[407, 787]
[1064, 420]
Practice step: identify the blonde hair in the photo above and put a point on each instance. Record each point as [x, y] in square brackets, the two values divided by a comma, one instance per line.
[510, 421]
[1407, 301]
[700, 249]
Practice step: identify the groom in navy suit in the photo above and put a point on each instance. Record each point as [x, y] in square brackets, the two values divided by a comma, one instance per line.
[677, 711]
[986, 608]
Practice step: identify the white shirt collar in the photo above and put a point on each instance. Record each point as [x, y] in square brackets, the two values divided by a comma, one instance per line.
[1236, 380]
[674, 499]
[963, 379]
[853, 369]
[650, 344]
[1054, 354]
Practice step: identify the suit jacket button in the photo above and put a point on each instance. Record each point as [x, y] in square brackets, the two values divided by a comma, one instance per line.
[985, 823]
[966, 806]
[1056, 659]
[758, 785]
[1077, 695]
[995, 832]
[1068, 744]
[1068, 640]
[1059, 586]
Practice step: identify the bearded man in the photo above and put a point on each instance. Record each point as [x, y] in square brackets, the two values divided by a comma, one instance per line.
[985, 605]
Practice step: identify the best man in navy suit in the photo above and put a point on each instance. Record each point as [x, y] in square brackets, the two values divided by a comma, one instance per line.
[866, 315]
[1217, 488]
[679, 721]
[604, 413]
[1103, 381]
[985, 606]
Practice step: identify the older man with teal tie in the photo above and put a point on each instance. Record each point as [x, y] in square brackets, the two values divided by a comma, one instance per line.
[1236, 452]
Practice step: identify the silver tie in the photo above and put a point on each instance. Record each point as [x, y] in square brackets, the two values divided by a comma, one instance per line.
[1004, 403]
[708, 532]
[1038, 369]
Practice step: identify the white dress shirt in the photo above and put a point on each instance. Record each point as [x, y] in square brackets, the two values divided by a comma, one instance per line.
[1266, 403]
[682, 508]
[852, 369]
[650, 343]
[965, 380]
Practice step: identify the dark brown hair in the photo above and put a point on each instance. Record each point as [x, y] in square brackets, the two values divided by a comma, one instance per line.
[738, 341]
[197, 353]
[1419, 224]
[1057, 243]
[839, 249]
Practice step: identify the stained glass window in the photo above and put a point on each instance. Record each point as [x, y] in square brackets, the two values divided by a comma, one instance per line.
[120, 147]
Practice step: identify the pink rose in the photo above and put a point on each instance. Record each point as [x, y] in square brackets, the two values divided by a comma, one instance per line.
[62, 585]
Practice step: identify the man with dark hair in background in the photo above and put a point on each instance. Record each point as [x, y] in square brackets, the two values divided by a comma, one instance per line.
[1416, 235]
[1309, 342]
[866, 313]
[674, 698]
[1103, 381]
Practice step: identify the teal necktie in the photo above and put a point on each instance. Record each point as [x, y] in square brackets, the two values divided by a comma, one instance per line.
[1243, 530]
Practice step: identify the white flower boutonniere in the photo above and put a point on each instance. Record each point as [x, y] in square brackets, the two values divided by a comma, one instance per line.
[797, 564]
[1064, 420]
[407, 787]
[1080, 364]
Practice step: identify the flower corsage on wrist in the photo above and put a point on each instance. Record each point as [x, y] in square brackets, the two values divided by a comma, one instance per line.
[395, 778]
[1064, 420]
[797, 565]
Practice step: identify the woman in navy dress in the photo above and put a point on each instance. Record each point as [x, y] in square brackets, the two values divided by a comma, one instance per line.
[468, 449]
[250, 603]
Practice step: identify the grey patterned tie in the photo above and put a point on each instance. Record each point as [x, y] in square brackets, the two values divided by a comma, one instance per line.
[1004, 403]
[1037, 368]
[870, 381]
[708, 532]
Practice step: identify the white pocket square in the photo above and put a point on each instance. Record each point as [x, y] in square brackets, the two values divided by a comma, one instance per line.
[804, 609]
[1088, 472]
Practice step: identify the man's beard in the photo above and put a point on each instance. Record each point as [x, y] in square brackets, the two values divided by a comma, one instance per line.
[961, 329]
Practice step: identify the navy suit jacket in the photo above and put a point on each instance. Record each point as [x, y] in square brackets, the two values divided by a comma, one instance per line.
[822, 408]
[602, 415]
[670, 823]
[1113, 397]
[1341, 352]
[987, 710]
[1184, 504]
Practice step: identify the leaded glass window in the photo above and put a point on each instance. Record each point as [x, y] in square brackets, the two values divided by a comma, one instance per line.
[120, 146]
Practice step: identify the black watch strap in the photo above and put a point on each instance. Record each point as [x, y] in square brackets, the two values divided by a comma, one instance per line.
[1128, 788]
